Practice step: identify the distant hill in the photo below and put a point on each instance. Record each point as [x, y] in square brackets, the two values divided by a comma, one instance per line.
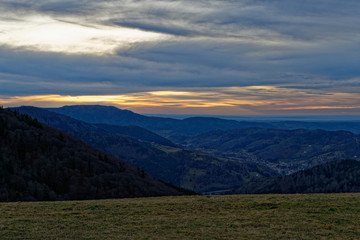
[188, 169]
[163, 126]
[38, 162]
[137, 133]
[284, 151]
[175, 129]
[76, 127]
[351, 126]
[333, 177]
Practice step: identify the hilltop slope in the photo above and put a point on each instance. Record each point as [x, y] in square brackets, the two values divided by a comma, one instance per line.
[268, 216]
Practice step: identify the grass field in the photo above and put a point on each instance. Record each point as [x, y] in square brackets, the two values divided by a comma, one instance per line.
[317, 216]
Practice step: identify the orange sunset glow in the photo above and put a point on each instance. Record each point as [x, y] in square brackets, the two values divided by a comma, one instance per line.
[227, 101]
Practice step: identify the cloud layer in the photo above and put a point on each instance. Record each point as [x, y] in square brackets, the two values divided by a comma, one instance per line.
[129, 47]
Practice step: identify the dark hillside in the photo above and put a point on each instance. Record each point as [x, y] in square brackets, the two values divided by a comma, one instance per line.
[41, 163]
[333, 177]
[137, 133]
[285, 151]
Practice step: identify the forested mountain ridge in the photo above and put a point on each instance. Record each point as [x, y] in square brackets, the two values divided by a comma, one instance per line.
[332, 177]
[285, 151]
[176, 128]
[215, 160]
[188, 169]
[137, 133]
[163, 126]
[76, 127]
[38, 162]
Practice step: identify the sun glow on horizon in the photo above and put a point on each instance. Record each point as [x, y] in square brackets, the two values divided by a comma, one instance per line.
[253, 100]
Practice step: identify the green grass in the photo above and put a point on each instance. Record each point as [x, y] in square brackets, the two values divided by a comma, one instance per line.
[317, 216]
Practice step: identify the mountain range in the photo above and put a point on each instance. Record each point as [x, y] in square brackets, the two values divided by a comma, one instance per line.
[169, 127]
[204, 154]
[188, 169]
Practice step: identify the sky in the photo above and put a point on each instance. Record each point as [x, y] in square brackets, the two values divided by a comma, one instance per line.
[228, 57]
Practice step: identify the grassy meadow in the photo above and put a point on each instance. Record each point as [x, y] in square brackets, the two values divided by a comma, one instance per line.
[309, 216]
